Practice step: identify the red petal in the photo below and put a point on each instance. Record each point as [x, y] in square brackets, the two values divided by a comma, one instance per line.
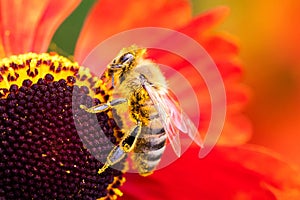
[204, 22]
[53, 16]
[224, 51]
[29, 25]
[237, 130]
[220, 43]
[2, 52]
[221, 48]
[109, 17]
[247, 172]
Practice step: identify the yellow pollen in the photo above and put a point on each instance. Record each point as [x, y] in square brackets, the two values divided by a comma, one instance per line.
[29, 69]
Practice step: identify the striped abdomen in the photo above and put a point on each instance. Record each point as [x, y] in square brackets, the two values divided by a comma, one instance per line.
[150, 147]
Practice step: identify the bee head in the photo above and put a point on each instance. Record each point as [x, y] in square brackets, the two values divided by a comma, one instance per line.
[122, 63]
[127, 59]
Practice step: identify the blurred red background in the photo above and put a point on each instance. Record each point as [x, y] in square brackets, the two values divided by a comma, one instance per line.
[269, 36]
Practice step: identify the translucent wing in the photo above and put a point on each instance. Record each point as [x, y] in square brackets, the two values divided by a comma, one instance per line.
[163, 111]
[173, 118]
[182, 121]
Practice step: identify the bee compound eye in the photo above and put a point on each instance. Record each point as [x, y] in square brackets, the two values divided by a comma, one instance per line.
[128, 57]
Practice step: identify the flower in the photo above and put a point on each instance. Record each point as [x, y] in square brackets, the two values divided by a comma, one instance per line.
[176, 180]
[53, 163]
[42, 155]
[226, 173]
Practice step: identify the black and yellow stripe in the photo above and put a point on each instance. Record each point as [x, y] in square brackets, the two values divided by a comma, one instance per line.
[150, 147]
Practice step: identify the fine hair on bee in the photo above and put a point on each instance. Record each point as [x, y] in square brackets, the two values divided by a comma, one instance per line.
[153, 116]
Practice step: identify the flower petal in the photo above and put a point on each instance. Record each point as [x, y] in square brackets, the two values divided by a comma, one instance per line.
[23, 31]
[53, 16]
[2, 52]
[127, 15]
[205, 21]
[224, 51]
[226, 173]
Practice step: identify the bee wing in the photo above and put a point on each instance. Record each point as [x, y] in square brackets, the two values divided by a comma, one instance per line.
[182, 121]
[173, 119]
[165, 118]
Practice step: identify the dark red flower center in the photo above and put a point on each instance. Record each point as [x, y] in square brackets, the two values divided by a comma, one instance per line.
[42, 155]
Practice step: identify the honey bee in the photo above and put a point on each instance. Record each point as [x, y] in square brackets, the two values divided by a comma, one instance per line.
[154, 115]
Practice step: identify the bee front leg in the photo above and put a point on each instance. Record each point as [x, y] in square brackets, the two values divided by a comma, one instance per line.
[104, 106]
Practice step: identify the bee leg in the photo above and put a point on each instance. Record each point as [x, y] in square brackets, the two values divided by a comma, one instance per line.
[129, 141]
[104, 106]
[115, 156]
[126, 145]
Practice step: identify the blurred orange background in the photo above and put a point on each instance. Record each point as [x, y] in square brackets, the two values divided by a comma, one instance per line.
[269, 36]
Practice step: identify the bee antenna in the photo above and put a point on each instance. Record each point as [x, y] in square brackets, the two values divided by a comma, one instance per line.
[113, 79]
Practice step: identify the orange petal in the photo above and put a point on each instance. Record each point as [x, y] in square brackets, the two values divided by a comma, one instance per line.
[204, 22]
[220, 43]
[2, 52]
[224, 51]
[248, 172]
[17, 25]
[110, 17]
[29, 25]
[53, 16]
[237, 130]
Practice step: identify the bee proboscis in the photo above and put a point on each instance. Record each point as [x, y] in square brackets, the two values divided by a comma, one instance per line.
[142, 88]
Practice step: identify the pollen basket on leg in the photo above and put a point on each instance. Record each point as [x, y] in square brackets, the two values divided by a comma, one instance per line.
[42, 155]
